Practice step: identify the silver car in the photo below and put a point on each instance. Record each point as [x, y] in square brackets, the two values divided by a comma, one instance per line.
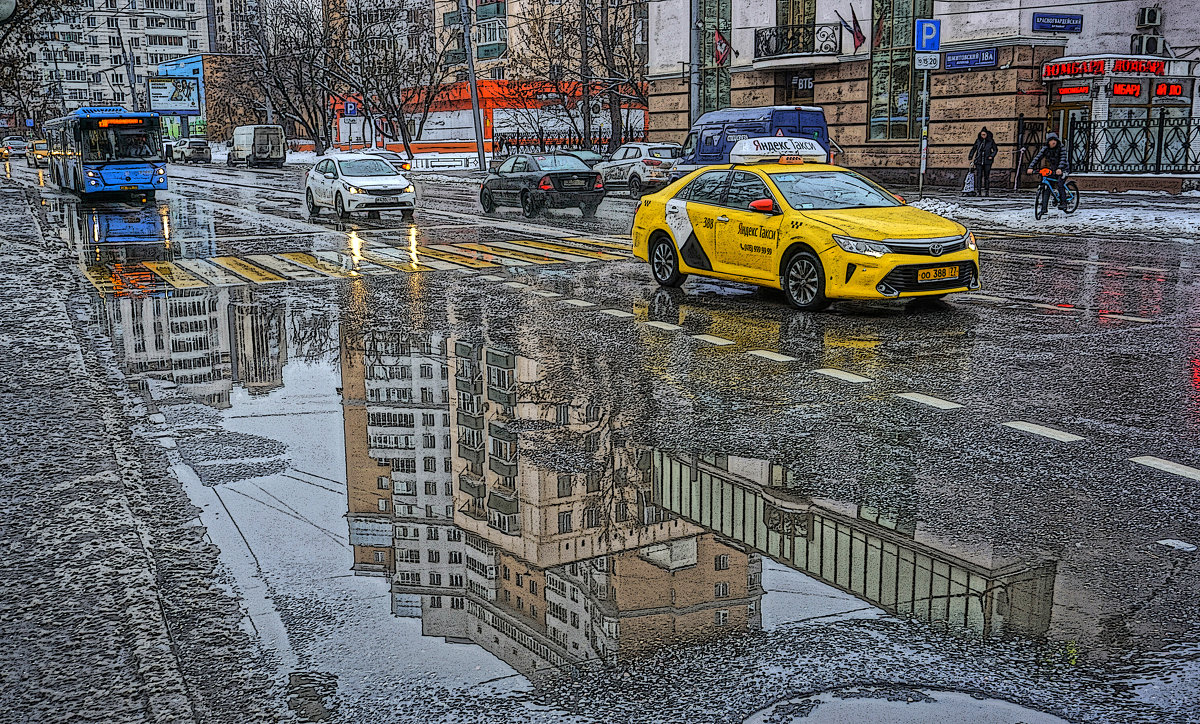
[640, 167]
[16, 145]
[194, 150]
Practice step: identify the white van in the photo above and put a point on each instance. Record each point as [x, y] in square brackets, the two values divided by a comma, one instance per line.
[257, 146]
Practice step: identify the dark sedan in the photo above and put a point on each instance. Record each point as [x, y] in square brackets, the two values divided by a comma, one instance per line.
[542, 181]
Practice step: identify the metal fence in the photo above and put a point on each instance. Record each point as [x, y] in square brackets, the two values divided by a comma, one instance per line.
[1146, 145]
[541, 141]
[824, 39]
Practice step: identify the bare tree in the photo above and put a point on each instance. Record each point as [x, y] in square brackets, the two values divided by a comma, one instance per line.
[20, 82]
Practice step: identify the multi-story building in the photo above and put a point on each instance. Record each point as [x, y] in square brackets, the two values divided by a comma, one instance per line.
[100, 52]
[1019, 68]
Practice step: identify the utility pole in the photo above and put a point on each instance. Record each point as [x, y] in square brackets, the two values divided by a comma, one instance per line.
[585, 89]
[464, 11]
[694, 26]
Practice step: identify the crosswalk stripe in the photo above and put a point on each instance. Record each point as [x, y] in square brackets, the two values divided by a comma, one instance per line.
[318, 264]
[446, 252]
[100, 277]
[286, 268]
[174, 275]
[522, 256]
[1043, 431]
[248, 270]
[571, 250]
[210, 273]
[345, 261]
[404, 255]
[393, 263]
[842, 375]
[597, 242]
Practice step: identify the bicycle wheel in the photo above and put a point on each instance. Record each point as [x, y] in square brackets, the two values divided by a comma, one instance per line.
[1072, 197]
[1041, 202]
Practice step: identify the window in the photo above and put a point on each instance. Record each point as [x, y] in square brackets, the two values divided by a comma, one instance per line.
[458, 603]
[745, 187]
[721, 562]
[562, 414]
[591, 518]
[436, 557]
[533, 587]
[427, 374]
[431, 533]
[431, 465]
[383, 505]
[435, 579]
[430, 488]
[455, 557]
[593, 482]
[434, 601]
[721, 617]
[456, 580]
[721, 590]
[564, 522]
[574, 619]
[622, 513]
[894, 88]
[429, 440]
[714, 79]
[384, 482]
[380, 556]
[709, 188]
[565, 486]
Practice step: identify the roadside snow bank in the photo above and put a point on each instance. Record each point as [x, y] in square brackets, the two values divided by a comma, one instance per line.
[1182, 224]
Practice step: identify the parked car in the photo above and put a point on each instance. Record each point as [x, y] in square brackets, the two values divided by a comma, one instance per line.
[349, 182]
[191, 150]
[257, 146]
[37, 154]
[540, 181]
[16, 145]
[640, 166]
[400, 162]
[714, 134]
[591, 158]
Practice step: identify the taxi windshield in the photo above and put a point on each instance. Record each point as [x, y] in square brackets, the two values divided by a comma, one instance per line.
[825, 190]
[367, 167]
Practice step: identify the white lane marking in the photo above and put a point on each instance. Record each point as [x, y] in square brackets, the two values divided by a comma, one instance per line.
[616, 312]
[578, 303]
[1042, 430]
[1167, 466]
[928, 400]
[718, 341]
[664, 326]
[1125, 317]
[773, 356]
[1178, 545]
[491, 278]
[515, 285]
[547, 295]
[1054, 307]
[982, 297]
[842, 375]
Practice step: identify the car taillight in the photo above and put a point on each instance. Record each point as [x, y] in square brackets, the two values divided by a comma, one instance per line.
[599, 182]
[651, 162]
[545, 184]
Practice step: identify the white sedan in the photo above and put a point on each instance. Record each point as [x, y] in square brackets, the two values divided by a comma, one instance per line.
[356, 182]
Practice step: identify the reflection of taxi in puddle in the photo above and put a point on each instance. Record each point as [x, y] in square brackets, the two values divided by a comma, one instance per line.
[818, 232]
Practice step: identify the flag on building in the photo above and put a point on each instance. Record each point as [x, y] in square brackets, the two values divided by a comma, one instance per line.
[720, 48]
[854, 30]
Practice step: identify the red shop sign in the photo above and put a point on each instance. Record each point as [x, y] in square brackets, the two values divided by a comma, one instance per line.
[1074, 90]
[1097, 67]
[1074, 67]
[1135, 65]
[1127, 89]
[1168, 89]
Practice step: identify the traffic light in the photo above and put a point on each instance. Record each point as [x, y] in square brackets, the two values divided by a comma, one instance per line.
[7, 8]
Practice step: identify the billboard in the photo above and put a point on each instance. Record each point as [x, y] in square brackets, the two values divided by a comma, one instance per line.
[174, 96]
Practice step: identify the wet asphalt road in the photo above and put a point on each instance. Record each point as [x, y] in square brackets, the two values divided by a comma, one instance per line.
[884, 502]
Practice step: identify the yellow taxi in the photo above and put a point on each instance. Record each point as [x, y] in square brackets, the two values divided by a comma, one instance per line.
[779, 216]
[38, 154]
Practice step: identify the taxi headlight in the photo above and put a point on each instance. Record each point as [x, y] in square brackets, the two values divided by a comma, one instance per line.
[409, 189]
[971, 242]
[861, 246]
[354, 189]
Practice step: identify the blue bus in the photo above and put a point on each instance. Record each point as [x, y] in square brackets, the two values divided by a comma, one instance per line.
[106, 150]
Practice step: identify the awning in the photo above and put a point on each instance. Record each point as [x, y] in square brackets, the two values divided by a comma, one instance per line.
[501, 505]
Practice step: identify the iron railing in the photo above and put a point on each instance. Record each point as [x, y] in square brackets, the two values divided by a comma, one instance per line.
[1144, 145]
[824, 39]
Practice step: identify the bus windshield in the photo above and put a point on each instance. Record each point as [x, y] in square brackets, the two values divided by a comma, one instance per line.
[120, 139]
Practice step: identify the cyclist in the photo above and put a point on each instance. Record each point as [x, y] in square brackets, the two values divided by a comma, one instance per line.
[1053, 155]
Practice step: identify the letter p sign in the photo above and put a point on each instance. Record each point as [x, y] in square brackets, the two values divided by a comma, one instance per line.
[929, 36]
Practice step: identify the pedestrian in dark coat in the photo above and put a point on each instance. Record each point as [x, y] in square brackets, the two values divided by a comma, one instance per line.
[982, 154]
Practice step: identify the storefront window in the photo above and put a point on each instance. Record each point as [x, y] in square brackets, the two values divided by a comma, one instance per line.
[895, 90]
[714, 78]
[795, 12]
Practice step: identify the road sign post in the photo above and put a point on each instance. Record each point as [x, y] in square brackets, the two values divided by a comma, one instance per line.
[928, 34]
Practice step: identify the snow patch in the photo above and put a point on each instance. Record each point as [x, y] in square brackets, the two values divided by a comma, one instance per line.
[1182, 224]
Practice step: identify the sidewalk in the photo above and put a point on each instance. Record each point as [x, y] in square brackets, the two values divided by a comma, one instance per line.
[1138, 214]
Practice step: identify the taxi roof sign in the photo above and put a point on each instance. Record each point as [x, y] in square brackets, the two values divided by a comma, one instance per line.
[774, 150]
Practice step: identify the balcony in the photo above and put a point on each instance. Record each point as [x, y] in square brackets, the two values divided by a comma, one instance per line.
[503, 468]
[456, 57]
[489, 11]
[488, 51]
[786, 41]
[452, 18]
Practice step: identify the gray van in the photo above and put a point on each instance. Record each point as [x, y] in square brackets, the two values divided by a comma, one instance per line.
[257, 146]
[714, 133]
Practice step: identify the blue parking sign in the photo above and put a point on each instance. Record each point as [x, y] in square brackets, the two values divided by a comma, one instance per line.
[29, 122]
[351, 108]
[928, 36]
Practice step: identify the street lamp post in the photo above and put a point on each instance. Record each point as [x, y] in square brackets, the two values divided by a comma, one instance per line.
[463, 10]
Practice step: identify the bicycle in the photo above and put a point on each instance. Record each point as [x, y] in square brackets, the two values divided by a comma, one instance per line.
[1046, 190]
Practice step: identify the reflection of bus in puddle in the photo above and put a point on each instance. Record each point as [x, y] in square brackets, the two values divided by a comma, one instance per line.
[112, 241]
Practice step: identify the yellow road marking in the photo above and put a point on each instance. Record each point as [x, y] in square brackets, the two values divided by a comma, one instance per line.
[285, 268]
[573, 250]
[460, 258]
[101, 278]
[255, 274]
[398, 265]
[174, 275]
[210, 273]
[320, 265]
[509, 254]
[597, 242]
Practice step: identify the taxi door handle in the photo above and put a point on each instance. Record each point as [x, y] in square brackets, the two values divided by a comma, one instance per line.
[722, 219]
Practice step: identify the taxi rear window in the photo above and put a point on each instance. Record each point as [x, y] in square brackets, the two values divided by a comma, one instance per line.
[821, 190]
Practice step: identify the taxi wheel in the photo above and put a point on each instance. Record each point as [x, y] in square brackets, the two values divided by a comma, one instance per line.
[803, 282]
[311, 203]
[340, 206]
[487, 201]
[664, 264]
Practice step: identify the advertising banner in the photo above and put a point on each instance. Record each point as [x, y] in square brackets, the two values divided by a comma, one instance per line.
[174, 96]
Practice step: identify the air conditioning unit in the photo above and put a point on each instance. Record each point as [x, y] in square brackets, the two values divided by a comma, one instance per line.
[1147, 45]
[1149, 18]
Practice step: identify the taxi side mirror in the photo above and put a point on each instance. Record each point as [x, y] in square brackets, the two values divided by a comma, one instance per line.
[765, 206]
[331, 176]
[900, 198]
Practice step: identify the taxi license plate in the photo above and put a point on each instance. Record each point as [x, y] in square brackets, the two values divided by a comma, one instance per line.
[937, 274]
[129, 188]
[386, 200]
